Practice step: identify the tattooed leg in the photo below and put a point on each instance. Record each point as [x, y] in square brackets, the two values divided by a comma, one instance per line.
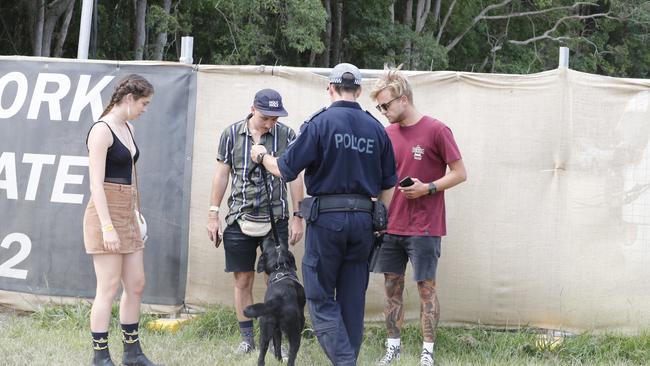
[429, 309]
[393, 310]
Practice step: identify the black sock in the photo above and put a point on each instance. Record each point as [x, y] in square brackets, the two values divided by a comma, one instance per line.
[130, 333]
[100, 340]
[246, 331]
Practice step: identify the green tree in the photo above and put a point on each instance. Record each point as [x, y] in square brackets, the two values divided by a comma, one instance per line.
[254, 31]
[507, 36]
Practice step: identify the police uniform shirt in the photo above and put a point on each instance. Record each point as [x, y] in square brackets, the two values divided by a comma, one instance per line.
[343, 150]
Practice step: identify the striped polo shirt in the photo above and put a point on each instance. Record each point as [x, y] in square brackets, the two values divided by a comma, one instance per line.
[251, 197]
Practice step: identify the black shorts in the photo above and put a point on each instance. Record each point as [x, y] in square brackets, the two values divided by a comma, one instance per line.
[241, 249]
[422, 251]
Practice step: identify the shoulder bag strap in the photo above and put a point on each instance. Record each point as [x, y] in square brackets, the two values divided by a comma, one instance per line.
[135, 176]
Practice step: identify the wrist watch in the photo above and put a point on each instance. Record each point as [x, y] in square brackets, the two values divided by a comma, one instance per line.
[214, 209]
[432, 188]
[298, 214]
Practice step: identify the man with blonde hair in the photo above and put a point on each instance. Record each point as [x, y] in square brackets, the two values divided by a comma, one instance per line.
[424, 148]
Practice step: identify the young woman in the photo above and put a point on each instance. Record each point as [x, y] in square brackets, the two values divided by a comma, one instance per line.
[111, 232]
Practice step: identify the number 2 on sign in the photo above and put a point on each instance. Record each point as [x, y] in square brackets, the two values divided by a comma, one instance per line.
[6, 268]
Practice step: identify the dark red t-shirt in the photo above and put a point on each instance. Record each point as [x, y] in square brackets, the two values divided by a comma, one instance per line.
[422, 151]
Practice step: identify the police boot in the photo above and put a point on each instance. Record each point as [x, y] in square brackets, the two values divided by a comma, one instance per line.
[133, 356]
[102, 358]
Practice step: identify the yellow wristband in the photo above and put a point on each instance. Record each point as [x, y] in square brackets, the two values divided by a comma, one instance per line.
[107, 228]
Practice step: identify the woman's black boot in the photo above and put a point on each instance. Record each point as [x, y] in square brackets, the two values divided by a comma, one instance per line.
[100, 346]
[133, 355]
[102, 358]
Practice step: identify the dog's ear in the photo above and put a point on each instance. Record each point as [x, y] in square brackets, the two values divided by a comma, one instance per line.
[291, 260]
[268, 242]
[261, 263]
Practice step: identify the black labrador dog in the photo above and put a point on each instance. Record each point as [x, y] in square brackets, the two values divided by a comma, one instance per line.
[283, 309]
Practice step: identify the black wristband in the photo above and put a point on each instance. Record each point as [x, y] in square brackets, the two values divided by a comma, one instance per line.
[297, 214]
[432, 188]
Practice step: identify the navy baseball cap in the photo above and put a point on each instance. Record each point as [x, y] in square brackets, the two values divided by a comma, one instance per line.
[269, 103]
[336, 76]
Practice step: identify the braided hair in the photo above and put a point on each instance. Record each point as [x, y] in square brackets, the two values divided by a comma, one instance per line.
[134, 84]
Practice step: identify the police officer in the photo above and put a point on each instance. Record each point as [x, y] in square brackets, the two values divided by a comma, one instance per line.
[348, 158]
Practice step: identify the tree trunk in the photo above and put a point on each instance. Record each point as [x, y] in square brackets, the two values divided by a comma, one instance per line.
[94, 31]
[325, 59]
[338, 33]
[140, 31]
[176, 39]
[424, 7]
[436, 11]
[63, 30]
[441, 28]
[37, 17]
[408, 22]
[53, 12]
[161, 39]
[48, 29]
[312, 58]
[390, 57]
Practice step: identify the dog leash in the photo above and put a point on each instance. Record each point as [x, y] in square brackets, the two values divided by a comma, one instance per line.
[274, 229]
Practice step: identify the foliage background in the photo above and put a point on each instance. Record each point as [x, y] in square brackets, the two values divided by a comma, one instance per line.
[608, 37]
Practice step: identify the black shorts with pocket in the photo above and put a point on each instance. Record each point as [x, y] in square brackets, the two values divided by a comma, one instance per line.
[422, 251]
[241, 249]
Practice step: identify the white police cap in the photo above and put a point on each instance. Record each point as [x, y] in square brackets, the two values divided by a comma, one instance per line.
[336, 76]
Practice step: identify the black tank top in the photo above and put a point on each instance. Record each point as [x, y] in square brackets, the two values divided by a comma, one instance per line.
[118, 159]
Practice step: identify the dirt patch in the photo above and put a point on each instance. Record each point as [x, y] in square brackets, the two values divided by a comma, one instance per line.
[7, 313]
[4, 316]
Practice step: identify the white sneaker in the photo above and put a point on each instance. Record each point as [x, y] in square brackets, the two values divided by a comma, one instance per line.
[392, 354]
[426, 358]
[244, 348]
[284, 351]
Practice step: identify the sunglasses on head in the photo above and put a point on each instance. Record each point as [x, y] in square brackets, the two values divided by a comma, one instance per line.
[384, 106]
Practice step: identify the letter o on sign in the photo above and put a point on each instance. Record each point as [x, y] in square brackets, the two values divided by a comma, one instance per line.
[21, 93]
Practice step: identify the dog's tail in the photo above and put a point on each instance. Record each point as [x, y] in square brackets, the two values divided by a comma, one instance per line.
[263, 308]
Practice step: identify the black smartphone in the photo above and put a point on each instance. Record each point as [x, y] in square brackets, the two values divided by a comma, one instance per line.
[406, 182]
[217, 240]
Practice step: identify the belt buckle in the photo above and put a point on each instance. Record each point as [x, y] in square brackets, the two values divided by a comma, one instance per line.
[352, 204]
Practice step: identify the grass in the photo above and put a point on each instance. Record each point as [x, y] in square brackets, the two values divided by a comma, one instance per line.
[59, 335]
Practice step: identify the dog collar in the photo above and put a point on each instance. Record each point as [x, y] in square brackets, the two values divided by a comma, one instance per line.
[281, 275]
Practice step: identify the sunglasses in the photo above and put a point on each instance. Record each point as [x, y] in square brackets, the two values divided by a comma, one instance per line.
[384, 106]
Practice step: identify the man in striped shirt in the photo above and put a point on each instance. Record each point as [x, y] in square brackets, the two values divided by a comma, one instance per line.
[248, 199]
